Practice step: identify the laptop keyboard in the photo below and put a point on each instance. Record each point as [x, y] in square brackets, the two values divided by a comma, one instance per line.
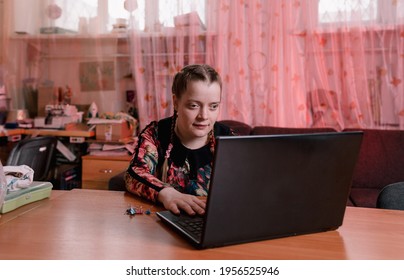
[193, 225]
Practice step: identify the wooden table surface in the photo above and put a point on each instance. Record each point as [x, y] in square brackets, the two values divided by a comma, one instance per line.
[90, 224]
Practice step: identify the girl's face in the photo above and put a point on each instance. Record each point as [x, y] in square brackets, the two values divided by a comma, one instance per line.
[197, 109]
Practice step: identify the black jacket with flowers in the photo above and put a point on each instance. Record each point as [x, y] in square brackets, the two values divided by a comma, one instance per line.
[188, 171]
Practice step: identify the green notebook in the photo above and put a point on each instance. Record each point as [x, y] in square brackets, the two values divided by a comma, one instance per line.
[36, 191]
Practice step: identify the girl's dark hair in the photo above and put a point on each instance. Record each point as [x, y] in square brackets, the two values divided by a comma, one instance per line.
[194, 72]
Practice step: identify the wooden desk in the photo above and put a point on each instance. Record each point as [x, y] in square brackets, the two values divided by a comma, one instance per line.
[51, 132]
[4, 218]
[60, 133]
[11, 132]
[91, 224]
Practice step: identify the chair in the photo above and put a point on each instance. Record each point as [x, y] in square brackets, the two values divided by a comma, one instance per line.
[117, 182]
[238, 127]
[39, 153]
[391, 197]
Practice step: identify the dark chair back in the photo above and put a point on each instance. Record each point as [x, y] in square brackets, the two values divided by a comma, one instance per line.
[391, 197]
[239, 128]
[39, 153]
[117, 182]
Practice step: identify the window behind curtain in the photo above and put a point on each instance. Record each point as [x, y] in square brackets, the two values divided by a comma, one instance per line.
[364, 11]
[331, 11]
[160, 13]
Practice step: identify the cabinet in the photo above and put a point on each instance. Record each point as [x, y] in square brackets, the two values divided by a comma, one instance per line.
[97, 170]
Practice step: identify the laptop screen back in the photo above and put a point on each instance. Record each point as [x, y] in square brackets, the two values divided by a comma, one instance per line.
[266, 187]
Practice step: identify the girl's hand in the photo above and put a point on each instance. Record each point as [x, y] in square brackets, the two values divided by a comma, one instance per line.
[175, 201]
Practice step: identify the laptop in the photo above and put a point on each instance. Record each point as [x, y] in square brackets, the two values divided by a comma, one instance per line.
[271, 186]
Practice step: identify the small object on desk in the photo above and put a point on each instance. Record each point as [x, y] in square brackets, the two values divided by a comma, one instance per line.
[132, 211]
[93, 111]
[76, 139]
[48, 118]
[26, 124]
[18, 177]
[36, 191]
[13, 138]
[11, 125]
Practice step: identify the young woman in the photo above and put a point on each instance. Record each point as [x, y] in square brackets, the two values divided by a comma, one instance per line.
[173, 160]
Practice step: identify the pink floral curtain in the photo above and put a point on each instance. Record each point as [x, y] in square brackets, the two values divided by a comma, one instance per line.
[295, 63]
[156, 59]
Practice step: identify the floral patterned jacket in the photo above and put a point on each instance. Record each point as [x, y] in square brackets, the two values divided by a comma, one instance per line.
[189, 170]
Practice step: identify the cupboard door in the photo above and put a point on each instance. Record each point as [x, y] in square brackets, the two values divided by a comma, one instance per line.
[97, 172]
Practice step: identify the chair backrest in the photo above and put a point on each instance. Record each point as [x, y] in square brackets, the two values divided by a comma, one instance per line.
[391, 197]
[238, 127]
[39, 153]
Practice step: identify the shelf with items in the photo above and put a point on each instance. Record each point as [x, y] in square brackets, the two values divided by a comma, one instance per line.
[124, 147]
[92, 66]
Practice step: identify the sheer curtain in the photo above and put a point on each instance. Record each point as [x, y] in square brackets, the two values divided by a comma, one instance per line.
[301, 63]
[162, 51]
[287, 63]
[261, 62]
[53, 44]
[355, 52]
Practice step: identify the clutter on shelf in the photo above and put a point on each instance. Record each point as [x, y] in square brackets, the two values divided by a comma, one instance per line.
[58, 116]
[114, 127]
[54, 108]
[112, 149]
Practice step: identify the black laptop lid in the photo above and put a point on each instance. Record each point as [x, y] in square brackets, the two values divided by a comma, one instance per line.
[266, 187]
